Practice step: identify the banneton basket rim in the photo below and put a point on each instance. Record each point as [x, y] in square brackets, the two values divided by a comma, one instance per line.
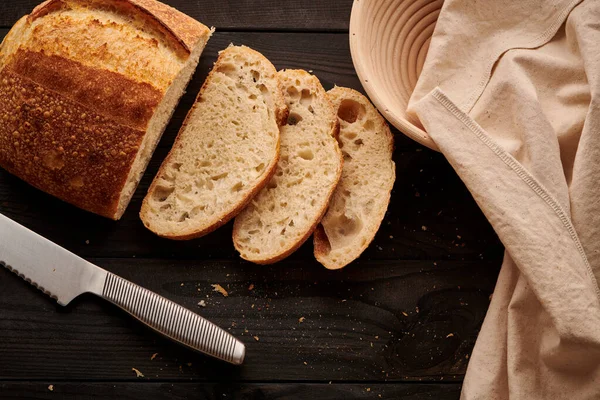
[366, 46]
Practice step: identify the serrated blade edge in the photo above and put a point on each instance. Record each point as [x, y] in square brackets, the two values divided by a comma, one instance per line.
[28, 280]
[46, 265]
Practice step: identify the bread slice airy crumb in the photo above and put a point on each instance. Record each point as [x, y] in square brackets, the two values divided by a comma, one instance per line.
[286, 212]
[226, 150]
[361, 199]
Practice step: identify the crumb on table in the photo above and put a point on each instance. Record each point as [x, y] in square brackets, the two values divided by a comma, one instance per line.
[220, 289]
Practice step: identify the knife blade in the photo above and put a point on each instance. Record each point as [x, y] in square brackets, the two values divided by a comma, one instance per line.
[63, 276]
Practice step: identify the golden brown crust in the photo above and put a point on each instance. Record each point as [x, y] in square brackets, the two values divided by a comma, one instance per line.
[62, 146]
[321, 242]
[73, 121]
[186, 29]
[181, 28]
[112, 95]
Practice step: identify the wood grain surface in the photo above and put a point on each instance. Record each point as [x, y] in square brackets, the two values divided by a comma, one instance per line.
[219, 391]
[262, 15]
[399, 323]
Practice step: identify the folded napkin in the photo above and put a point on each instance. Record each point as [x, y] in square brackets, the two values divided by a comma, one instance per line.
[510, 93]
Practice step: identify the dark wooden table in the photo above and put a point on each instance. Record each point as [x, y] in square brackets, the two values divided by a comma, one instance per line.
[399, 323]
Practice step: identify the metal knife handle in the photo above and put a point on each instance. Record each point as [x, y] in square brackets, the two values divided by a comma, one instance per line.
[172, 320]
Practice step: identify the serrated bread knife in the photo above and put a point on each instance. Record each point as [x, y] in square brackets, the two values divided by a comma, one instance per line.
[63, 276]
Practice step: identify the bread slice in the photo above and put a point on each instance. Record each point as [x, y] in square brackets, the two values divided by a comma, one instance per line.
[226, 150]
[95, 83]
[286, 212]
[361, 199]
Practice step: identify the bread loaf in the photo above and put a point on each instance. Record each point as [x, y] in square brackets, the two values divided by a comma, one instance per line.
[86, 89]
[225, 152]
[363, 194]
[286, 212]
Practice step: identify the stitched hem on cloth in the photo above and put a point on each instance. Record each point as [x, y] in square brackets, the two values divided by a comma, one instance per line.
[521, 172]
[538, 41]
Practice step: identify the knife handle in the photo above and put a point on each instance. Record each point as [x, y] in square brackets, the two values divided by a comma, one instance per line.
[172, 320]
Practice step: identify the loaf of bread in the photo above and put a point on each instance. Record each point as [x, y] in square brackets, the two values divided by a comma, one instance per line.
[286, 212]
[361, 199]
[86, 89]
[226, 150]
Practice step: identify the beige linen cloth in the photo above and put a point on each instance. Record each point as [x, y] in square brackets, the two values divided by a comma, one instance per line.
[510, 93]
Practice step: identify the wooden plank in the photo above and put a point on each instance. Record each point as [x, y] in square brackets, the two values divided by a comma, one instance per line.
[431, 215]
[220, 391]
[332, 15]
[378, 321]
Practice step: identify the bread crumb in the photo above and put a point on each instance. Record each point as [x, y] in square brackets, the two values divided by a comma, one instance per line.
[153, 356]
[256, 338]
[423, 228]
[405, 314]
[305, 363]
[220, 289]
[202, 303]
[181, 284]
[87, 242]
[301, 320]
[138, 373]
[251, 287]
[51, 388]
[368, 389]
[450, 335]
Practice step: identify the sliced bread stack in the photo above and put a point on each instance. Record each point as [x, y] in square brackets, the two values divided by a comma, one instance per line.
[226, 150]
[286, 212]
[267, 148]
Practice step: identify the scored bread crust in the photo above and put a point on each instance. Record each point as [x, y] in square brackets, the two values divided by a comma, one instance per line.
[178, 26]
[72, 126]
[354, 108]
[241, 224]
[280, 112]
